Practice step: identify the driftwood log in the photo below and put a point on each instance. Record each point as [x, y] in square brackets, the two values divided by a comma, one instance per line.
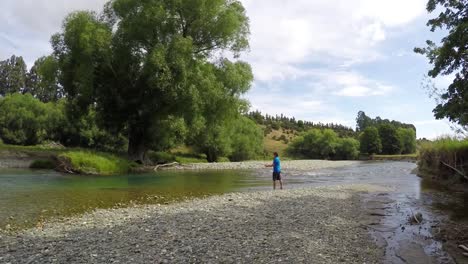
[464, 248]
[456, 170]
[166, 165]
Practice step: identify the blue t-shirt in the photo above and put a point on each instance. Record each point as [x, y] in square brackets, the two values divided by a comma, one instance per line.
[276, 165]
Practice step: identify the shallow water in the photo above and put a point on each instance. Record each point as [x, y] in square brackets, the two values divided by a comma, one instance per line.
[28, 197]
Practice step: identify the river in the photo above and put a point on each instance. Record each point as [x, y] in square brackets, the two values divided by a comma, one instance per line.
[28, 197]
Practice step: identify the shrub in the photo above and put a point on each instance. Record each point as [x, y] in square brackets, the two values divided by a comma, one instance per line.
[24, 120]
[347, 149]
[282, 138]
[275, 126]
[246, 140]
[407, 138]
[323, 144]
[84, 132]
[436, 158]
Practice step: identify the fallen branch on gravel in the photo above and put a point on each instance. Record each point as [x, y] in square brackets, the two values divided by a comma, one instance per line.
[166, 165]
[456, 170]
[465, 248]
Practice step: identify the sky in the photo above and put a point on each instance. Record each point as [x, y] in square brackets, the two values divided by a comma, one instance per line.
[321, 60]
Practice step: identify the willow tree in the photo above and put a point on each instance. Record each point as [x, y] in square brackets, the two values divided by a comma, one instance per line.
[141, 62]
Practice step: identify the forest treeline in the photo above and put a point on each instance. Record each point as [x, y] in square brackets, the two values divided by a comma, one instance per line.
[146, 76]
[35, 109]
[276, 122]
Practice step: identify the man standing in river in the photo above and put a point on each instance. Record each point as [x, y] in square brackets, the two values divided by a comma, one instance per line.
[276, 171]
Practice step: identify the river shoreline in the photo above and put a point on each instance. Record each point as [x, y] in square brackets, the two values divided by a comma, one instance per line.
[323, 225]
[250, 165]
[314, 223]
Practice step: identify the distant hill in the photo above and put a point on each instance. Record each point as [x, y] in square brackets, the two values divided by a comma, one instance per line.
[280, 130]
[290, 123]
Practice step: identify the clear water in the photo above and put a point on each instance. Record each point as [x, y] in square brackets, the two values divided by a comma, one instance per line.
[28, 197]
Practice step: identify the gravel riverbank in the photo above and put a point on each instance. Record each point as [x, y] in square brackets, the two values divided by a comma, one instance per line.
[315, 225]
[288, 164]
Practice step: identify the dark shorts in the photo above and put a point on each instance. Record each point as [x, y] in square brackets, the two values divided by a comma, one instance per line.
[277, 176]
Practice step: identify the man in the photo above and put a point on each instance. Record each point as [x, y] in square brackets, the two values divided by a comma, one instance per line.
[276, 171]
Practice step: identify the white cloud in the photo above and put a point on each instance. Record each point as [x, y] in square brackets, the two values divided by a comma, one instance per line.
[29, 24]
[433, 129]
[323, 82]
[288, 34]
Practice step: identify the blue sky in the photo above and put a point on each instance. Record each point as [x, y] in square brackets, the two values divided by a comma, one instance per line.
[321, 60]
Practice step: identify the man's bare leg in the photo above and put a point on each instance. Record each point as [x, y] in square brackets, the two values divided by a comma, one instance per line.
[281, 184]
[274, 185]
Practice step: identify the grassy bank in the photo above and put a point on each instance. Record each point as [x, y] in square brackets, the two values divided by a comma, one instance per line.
[445, 160]
[88, 162]
[402, 157]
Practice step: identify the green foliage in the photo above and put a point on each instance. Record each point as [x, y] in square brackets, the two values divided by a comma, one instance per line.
[43, 79]
[347, 149]
[185, 159]
[161, 157]
[214, 142]
[282, 138]
[451, 151]
[239, 139]
[407, 139]
[43, 164]
[391, 143]
[168, 133]
[155, 59]
[87, 162]
[246, 140]
[25, 120]
[84, 132]
[450, 57]
[323, 144]
[290, 123]
[363, 121]
[370, 141]
[12, 75]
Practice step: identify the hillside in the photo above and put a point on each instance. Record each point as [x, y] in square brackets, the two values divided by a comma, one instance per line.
[277, 140]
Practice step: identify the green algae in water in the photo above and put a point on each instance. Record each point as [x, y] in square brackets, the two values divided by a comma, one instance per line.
[28, 197]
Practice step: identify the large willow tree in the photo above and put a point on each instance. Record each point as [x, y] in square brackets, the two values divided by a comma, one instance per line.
[143, 62]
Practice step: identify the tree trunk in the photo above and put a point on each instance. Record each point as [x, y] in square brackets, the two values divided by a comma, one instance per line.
[211, 156]
[136, 146]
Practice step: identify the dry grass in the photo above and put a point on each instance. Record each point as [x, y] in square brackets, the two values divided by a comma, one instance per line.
[271, 143]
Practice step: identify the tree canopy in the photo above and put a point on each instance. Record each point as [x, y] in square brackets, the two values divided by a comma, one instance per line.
[140, 62]
[12, 75]
[370, 141]
[43, 80]
[450, 57]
